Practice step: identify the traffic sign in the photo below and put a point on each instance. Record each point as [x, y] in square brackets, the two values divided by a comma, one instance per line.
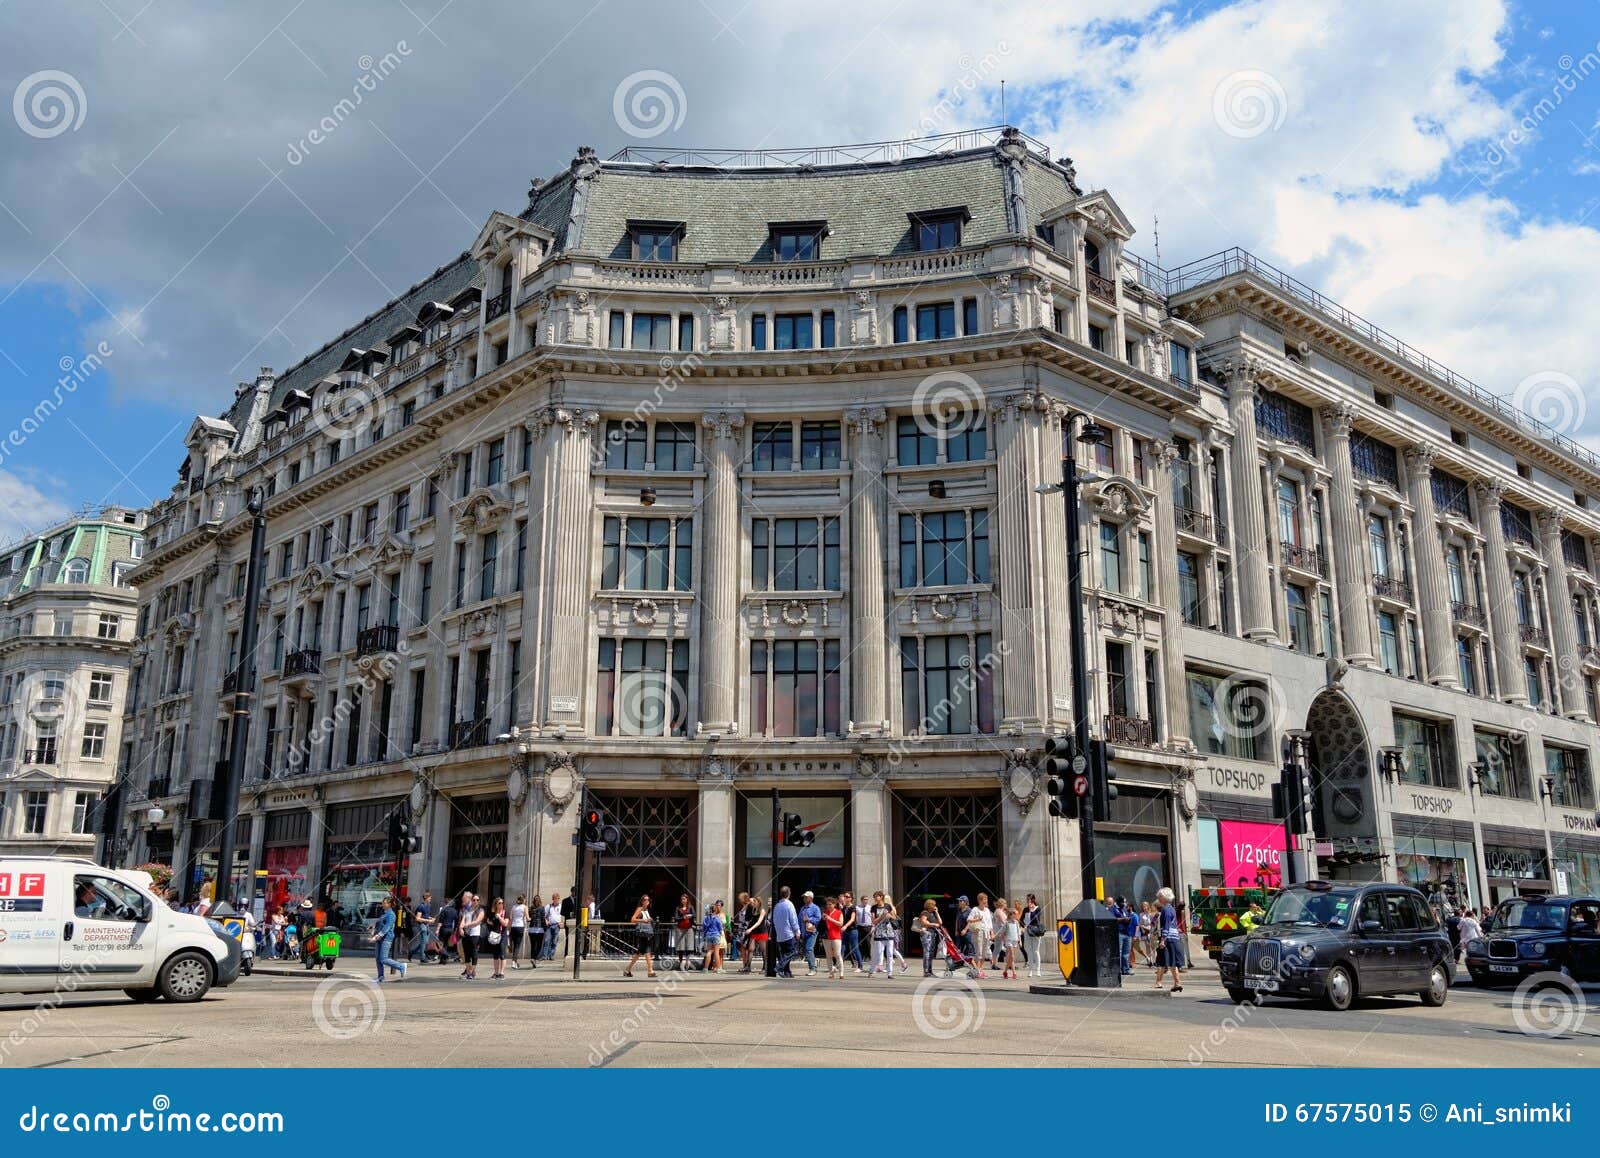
[1080, 786]
[1079, 763]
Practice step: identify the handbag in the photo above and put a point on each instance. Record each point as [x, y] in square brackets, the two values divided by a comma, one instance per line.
[494, 936]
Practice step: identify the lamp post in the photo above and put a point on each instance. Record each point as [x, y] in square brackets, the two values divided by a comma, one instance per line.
[238, 735]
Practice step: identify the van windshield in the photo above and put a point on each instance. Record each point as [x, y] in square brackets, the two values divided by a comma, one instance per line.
[1322, 909]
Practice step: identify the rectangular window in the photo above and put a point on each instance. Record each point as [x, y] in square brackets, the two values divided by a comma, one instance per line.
[494, 467]
[110, 627]
[521, 577]
[794, 554]
[1147, 582]
[938, 233]
[1097, 338]
[674, 448]
[656, 244]
[1226, 717]
[646, 554]
[1388, 643]
[100, 685]
[419, 686]
[1465, 671]
[1110, 558]
[819, 446]
[1427, 751]
[94, 742]
[947, 685]
[1300, 637]
[758, 331]
[792, 332]
[369, 523]
[915, 442]
[943, 548]
[34, 807]
[936, 321]
[772, 446]
[461, 575]
[424, 593]
[796, 244]
[1502, 761]
[1568, 770]
[400, 506]
[82, 802]
[829, 331]
[685, 332]
[901, 334]
[969, 316]
[487, 559]
[1178, 362]
[1189, 588]
[641, 687]
[617, 329]
[626, 444]
[652, 332]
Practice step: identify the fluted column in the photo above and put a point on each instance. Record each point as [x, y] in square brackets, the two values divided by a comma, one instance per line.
[1173, 678]
[1563, 626]
[1250, 530]
[1012, 549]
[565, 550]
[1349, 575]
[1433, 583]
[719, 572]
[868, 712]
[1502, 611]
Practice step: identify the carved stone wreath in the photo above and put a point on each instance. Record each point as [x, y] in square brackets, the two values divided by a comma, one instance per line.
[794, 613]
[645, 611]
[943, 607]
[1021, 781]
[559, 781]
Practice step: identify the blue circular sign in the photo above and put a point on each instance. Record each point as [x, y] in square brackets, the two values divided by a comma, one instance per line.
[1064, 934]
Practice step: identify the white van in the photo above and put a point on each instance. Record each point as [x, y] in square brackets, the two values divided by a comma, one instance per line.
[69, 924]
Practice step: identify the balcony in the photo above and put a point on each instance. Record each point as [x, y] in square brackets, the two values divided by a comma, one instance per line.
[1307, 559]
[1591, 656]
[497, 305]
[1388, 587]
[1130, 730]
[1193, 522]
[197, 484]
[1534, 636]
[41, 755]
[306, 662]
[1102, 287]
[158, 787]
[469, 734]
[230, 683]
[1470, 614]
[376, 640]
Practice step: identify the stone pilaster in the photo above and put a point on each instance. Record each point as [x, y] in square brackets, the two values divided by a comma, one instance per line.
[870, 828]
[720, 572]
[868, 567]
[567, 500]
[1355, 602]
[1175, 713]
[1570, 696]
[1502, 611]
[1014, 424]
[1250, 530]
[1433, 582]
[718, 822]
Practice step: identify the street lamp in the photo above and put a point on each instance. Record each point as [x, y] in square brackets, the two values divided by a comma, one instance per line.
[1392, 763]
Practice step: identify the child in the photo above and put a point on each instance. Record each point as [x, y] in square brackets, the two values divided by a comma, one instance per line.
[711, 933]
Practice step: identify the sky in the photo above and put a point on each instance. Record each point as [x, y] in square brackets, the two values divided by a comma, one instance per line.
[191, 191]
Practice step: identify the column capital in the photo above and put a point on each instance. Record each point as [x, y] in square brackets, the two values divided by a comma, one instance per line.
[1163, 453]
[722, 423]
[1420, 458]
[1549, 523]
[1012, 407]
[1240, 378]
[1489, 492]
[578, 422]
[865, 420]
[1339, 419]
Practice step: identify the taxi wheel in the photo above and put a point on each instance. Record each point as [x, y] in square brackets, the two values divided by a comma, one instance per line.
[1438, 988]
[143, 996]
[186, 977]
[1240, 996]
[1341, 989]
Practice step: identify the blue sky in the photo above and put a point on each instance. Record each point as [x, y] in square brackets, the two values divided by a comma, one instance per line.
[1379, 151]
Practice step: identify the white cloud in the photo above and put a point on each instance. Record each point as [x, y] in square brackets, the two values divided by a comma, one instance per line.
[24, 508]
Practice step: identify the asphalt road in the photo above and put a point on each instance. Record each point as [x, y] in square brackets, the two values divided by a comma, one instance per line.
[291, 1018]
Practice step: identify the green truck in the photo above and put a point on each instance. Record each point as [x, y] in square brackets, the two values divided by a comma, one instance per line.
[1215, 915]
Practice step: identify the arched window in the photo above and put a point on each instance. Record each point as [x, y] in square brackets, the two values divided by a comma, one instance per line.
[76, 571]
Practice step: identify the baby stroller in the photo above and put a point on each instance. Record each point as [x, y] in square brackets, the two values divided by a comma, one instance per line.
[954, 959]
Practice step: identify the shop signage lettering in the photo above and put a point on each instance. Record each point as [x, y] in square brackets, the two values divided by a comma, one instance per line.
[279, 799]
[792, 766]
[21, 884]
[1425, 803]
[1248, 848]
[1238, 779]
[1523, 863]
[1584, 823]
[563, 703]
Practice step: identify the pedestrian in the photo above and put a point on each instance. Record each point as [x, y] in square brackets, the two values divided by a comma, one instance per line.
[785, 932]
[1470, 931]
[1008, 931]
[961, 932]
[426, 922]
[1147, 933]
[930, 926]
[519, 930]
[978, 926]
[758, 932]
[850, 931]
[681, 939]
[497, 932]
[1169, 954]
[449, 930]
[1033, 932]
[569, 918]
[644, 931]
[470, 932]
[864, 926]
[552, 928]
[735, 927]
[810, 928]
[884, 920]
[832, 931]
[711, 937]
[591, 942]
[536, 931]
[383, 936]
[1127, 928]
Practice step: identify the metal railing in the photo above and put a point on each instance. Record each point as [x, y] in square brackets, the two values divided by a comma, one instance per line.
[868, 153]
[1101, 287]
[1132, 730]
[1388, 587]
[497, 305]
[304, 662]
[158, 787]
[469, 733]
[1193, 522]
[371, 640]
[42, 755]
[1534, 635]
[1468, 613]
[1307, 559]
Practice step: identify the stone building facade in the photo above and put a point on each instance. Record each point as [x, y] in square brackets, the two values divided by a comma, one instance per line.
[66, 631]
[698, 479]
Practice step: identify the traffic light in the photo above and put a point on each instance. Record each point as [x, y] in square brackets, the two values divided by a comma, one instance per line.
[591, 826]
[402, 840]
[1059, 768]
[597, 833]
[1104, 790]
[795, 832]
[1291, 798]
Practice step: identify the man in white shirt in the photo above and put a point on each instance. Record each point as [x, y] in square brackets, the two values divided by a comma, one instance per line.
[980, 923]
[552, 928]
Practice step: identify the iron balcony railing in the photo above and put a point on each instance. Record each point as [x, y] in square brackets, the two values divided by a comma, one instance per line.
[497, 305]
[1102, 287]
[304, 662]
[1307, 559]
[230, 682]
[158, 787]
[1388, 587]
[1468, 613]
[41, 755]
[1193, 522]
[1132, 730]
[469, 734]
[1534, 635]
[372, 640]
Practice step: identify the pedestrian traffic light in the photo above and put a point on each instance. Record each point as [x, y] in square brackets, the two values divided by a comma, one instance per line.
[1291, 798]
[795, 832]
[591, 826]
[1058, 767]
[598, 833]
[1104, 790]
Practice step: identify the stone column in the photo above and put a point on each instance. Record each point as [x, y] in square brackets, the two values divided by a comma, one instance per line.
[567, 500]
[1433, 582]
[869, 828]
[1563, 625]
[1249, 523]
[718, 823]
[1355, 598]
[720, 572]
[1012, 424]
[868, 567]
[1502, 611]
[1175, 712]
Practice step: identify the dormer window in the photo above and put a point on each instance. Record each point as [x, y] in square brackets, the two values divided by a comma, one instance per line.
[434, 319]
[655, 240]
[798, 240]
[936, 229]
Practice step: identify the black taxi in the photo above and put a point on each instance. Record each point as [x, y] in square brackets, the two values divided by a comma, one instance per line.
[1337, 941]
[1537, 934]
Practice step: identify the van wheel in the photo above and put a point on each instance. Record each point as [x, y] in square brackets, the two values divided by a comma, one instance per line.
[1341, 989]
[1438, 988]
[186, 977]
[143, 996]
[1240, 996]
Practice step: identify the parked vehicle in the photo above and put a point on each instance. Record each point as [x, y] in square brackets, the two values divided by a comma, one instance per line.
[1217, 916]
[66, 921]
[1338, 942]
[1537, 934]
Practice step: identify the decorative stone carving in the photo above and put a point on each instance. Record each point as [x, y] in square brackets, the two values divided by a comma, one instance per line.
[717, 769]
[868, 766]
[943, 607]
[645, 611]
[722, 423]
[865, 420]
[560, 780]
[794, 613]
[1339, 418]
[483, 621]
[1020, 778]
